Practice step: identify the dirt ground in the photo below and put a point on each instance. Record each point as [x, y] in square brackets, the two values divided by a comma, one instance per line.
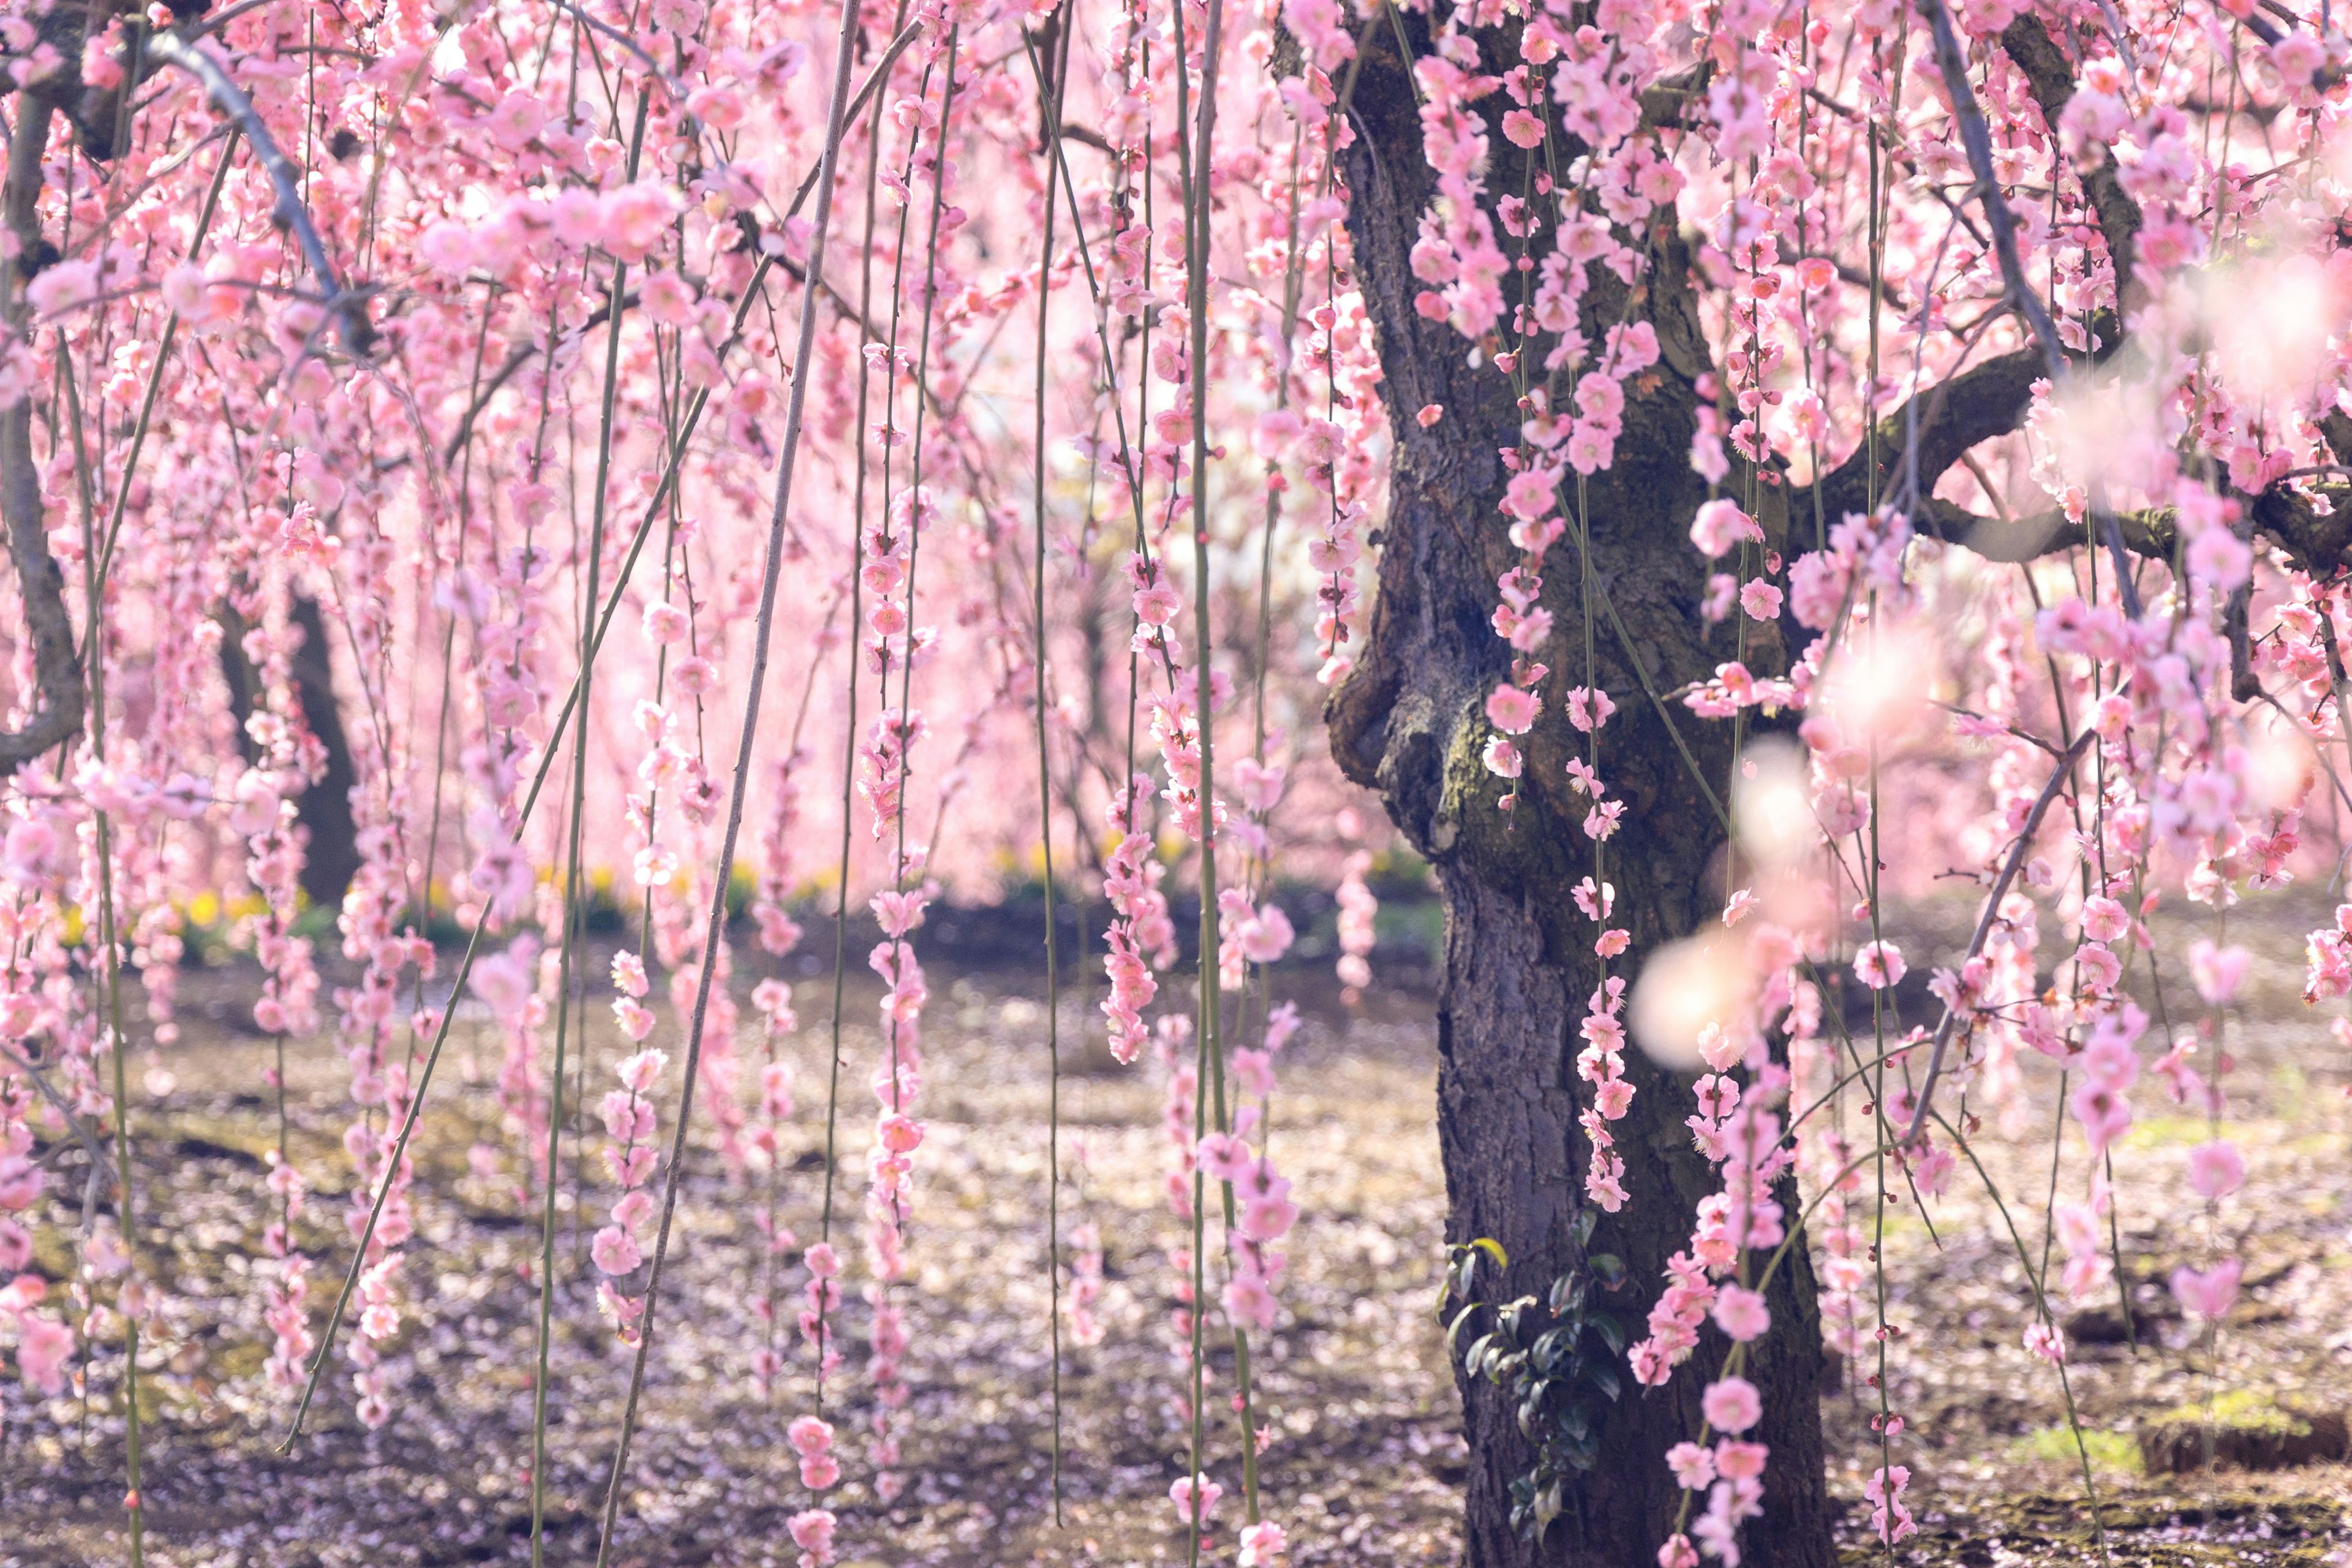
[1364, 1466]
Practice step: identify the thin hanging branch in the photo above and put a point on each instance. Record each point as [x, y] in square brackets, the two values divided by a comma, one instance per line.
[715, 932]
[2017, 853]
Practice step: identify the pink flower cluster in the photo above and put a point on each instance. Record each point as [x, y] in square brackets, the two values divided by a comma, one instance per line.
[618, 1248]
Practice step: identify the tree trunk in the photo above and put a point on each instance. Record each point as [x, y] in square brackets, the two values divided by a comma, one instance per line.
[1519, 955]
[332, 854]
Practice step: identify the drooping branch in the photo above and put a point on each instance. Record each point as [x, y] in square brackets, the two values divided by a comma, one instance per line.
[1977, 140]
[2017, 853]
[349, 307]
[57, 716]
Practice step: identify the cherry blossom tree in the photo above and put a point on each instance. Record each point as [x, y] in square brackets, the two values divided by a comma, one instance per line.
[463, 463]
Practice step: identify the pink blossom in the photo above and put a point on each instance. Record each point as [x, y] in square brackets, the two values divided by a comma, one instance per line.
[1247, 1300]
[615, 1251]
[2217, 971]
[1731, 1405]
[1692, 1464]
[633, 219]
[639, 1071]
[1741, 1313]
[1522, 129]
[2104, 919]
[448, 248]
[42, 1347]
[2210, 1293]
[1879, 965]
[1719, 525]
[812, 1532]
[61, 286]
[1512, 710]
[1532, 493]
[1261, 1545]
[1181, 1493]
[1761, 600]
[1741, 1461]
[2298, 57]
[2216, 1169]
[503, 981]
[2103, 1112]
[628, 974]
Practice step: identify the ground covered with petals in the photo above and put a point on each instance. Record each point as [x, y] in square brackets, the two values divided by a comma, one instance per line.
[1364, 1464]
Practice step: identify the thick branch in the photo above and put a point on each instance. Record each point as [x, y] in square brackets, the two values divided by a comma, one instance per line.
[2050, 77]
[1978, 139]
[57, 668]
[1991, 399]
[1981, 403]
[2315, 541]
[2015, 541]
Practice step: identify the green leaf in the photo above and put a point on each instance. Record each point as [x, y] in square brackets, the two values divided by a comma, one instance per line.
[1455, 1329]
[1609, 1266]
[1493, 1249]
[1611, 1332]
[1547, 1507]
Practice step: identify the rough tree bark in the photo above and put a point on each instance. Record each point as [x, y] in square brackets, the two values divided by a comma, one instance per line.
[54, 708]
[331, 856]
[1518, 962]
